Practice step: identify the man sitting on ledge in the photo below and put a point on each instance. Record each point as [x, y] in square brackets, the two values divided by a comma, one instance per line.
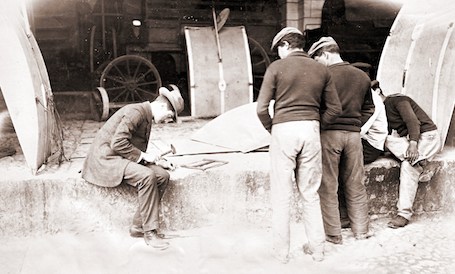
[118, 155]
[414, 139]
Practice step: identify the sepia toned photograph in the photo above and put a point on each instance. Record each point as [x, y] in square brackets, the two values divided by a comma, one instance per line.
[246, 137]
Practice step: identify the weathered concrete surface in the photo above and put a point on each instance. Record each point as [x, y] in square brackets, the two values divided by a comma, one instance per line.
[382, 181]
[235, 193]
[58, 199]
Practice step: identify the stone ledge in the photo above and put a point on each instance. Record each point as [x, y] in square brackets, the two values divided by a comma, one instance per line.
[237, 193]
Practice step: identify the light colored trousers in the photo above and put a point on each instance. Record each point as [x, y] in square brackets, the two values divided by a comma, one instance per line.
[295, 153]
[428, 146]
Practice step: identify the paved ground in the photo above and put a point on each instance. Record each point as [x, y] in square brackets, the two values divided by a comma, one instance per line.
[424, 246]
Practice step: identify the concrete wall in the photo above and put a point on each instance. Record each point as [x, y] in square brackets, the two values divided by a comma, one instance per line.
[198, 199]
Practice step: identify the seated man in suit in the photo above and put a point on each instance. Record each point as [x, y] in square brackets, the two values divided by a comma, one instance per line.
[118, 154]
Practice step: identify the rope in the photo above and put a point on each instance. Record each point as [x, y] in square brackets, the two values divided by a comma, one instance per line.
[56, 132]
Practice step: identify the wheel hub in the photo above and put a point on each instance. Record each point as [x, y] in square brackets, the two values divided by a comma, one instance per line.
[131, 85]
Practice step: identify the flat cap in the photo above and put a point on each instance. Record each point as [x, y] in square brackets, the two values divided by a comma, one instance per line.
[282, 33]
[322, 42]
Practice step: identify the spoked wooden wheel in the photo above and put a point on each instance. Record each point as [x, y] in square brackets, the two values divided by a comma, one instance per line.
[260, 61]
[130, 79]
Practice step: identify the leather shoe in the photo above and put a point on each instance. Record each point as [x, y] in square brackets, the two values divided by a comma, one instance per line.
[428, 172]
[136, 231]
[398, 221]
[152, 239]
[338, 240]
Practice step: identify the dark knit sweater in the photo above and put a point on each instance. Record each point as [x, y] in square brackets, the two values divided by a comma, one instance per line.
[353, 87]
[301, 87]
[406, 117]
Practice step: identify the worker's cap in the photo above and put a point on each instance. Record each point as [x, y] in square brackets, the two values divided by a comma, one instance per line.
[322, 42]
[174, 97]
[282, 33]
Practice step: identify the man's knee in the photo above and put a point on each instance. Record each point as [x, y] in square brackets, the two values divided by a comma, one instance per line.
[156, 176]
[161, 175]
[147, 178]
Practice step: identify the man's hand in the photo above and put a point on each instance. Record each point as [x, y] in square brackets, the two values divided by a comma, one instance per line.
[412, 153]
[151, 157]
[165, 164]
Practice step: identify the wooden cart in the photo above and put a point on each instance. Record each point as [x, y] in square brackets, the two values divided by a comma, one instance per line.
[136, 46]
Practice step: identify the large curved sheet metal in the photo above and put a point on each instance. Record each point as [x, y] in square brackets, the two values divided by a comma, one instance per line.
[204, 71]
[25, 84]
[395, 51]
[418, 58]
[238, 129]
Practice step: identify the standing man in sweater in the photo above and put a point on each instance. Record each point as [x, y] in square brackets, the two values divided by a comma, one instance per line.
[302, 89]
[373, 133]
[342, 155]
[414, 140]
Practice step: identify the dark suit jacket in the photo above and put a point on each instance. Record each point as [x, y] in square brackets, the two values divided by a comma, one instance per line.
[119, 142]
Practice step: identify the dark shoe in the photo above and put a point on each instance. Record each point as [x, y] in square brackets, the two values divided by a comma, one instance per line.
[152, 239]
[334, 239]
[136, 231]
[398, 221]
[428, 172]
[317, 256]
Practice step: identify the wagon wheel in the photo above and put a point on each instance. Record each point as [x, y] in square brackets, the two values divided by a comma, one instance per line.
[130, 79]
[260, 61]
[101, 52]
[101, 103]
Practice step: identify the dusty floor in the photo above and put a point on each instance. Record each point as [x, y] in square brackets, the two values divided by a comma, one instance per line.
[424, 246]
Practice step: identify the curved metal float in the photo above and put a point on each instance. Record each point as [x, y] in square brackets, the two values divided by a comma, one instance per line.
[204, 70]
[25, 85]
[419, 58]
